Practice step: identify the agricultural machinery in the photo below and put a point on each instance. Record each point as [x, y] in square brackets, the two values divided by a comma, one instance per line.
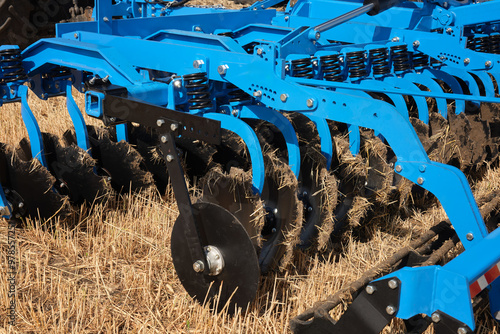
[288, 121]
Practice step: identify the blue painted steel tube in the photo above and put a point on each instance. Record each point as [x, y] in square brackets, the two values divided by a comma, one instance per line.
[82, 138]
[250, 139]
[285, 127]
[32, 127]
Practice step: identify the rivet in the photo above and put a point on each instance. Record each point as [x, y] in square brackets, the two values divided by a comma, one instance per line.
[470, 236]
[416, 44]
[488, 63]
[467, 61]
[170, 158]
[395, 39]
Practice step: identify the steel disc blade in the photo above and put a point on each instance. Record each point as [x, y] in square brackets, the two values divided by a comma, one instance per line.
[31, 184]
[237, 284]
[120, 160]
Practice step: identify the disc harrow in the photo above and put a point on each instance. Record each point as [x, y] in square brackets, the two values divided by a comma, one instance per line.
[291, 125]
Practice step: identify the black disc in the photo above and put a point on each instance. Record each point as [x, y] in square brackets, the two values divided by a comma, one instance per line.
[29, 184]
[237, 283]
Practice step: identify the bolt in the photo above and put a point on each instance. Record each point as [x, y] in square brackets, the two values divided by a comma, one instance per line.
[160, 122]
[177, 84]
[416, 44]
[222, 69]
[198, 266]
[174, 126]
[209, 249]
[287, 18]
[442, 57]
[257, 93]
[393, 284]
[390, 310]
[45, 96]
[234, 112]
[287, 67]
[170, 158]
[164, 139]
[105, 79]
[462, 330]
[488, 63]
[445, 4]
[315, 63]
[422, 168]
[310, 103]
[20, 205]
[436, 317]
[105, 19]
[497, 315]
[399, 168]
[197, 28]
[470, 236]
[395, 39]
[273, 230]
[309, 209]
[92, 80]
[12, 91]
[198, 63]
[370, 289]
[283, 97]
[259, 51]
[112, 119]
[217, 256]
[317, 35]
[275, 211]
[449, 30]
[420, 180]
[75, 35]
[467, 61]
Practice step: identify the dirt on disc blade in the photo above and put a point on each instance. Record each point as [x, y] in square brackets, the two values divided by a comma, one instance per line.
[34, 184]
[120, 160]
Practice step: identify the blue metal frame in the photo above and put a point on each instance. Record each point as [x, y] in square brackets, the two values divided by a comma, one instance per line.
[253, 49]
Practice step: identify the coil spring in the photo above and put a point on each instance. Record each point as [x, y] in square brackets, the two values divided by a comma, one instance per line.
[420, 60]
[380, 61]
[479, 44]
[11, 66]
[356, 64]
[332, 70]
[197, 91]
[495, 44]
[237, 95]
[302, 68]
[400, 58]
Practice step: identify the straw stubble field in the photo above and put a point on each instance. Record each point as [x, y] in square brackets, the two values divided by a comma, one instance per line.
[108, 269]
